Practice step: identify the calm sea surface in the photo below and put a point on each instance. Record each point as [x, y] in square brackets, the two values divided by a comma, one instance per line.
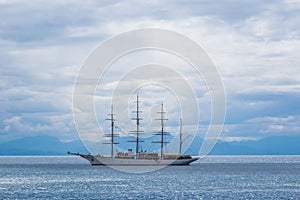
[215, 177]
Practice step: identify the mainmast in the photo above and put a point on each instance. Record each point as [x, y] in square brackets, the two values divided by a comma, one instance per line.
[112, 135]
[162, 133]
[137, 132]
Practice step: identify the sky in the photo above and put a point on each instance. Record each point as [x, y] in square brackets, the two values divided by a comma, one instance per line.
[255, 46]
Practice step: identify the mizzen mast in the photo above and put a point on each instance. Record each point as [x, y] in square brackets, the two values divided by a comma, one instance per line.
[180, 138]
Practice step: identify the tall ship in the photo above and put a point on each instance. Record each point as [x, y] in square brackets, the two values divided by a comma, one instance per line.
[140, 158]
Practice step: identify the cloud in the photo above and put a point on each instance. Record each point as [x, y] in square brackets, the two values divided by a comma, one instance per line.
[288, 125]
[272, 119]
[238, 139]
[260, 127]
[35, 124]
[255, 45]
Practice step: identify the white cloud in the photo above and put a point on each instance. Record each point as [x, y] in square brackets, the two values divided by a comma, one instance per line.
[255, 45]
[268, 119]
[36, 124]
[237, 139]
[268, 125]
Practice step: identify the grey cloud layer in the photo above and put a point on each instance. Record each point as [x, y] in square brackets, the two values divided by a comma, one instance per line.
[254, 44]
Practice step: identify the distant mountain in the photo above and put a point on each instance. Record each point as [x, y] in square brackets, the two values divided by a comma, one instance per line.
[275, 145]
[46, 145]
[40, 145]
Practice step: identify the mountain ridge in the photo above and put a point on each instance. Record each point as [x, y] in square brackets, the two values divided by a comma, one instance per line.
[47, 145]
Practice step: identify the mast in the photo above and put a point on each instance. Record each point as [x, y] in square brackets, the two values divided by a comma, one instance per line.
[112, 135]
[180, 138]
[162, 133]
[137, 132]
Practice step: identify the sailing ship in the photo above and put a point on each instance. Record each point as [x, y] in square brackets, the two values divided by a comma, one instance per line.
[140, 158]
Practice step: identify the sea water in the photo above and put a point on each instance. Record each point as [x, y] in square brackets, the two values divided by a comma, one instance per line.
[215, 177]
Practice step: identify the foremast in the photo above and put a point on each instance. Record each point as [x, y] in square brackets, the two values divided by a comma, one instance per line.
[112, 135]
